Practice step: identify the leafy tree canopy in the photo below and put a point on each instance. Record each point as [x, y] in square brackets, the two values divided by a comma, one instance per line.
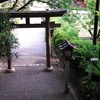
[21, 4]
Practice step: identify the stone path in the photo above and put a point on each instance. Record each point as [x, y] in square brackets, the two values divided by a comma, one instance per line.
[30, 81]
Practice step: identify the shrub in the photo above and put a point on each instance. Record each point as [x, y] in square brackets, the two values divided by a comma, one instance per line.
[7, 40]
[91, 88]
[86, 49]
[63, 33]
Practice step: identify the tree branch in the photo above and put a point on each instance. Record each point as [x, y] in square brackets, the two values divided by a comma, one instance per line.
[33, 0]
[90, 32]
[25, 5]
[13, 5]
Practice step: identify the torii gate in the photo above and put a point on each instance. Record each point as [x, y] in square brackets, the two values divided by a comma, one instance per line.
[46, 14]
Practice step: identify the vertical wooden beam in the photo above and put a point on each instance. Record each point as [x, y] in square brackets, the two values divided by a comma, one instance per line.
[48, 41]
[48, 45]
[96, 23]
[27, 20]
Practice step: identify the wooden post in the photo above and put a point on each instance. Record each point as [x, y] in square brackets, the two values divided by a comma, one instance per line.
[27, 21]
[9, 60]
[48, 45]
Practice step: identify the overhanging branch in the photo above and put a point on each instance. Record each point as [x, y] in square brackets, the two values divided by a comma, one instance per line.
[25, 5]
[1, 1]
[14, 5]
[33, 0]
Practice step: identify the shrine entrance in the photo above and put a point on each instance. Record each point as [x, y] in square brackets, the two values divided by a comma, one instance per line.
[32, 48]
[46, 24]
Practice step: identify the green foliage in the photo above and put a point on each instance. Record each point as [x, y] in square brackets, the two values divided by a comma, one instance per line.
[98, 14]
[88, 22]
[91, 88]
[64, 4]
[91, 6]
[4, 23]
[63, 33]
[71, 17]
[94, 68]
[58, 38]
[56, 19]
[16, 21]
[7, 39]
[86, 49]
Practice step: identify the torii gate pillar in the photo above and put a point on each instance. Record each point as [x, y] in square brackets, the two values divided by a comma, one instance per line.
[48, 45]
